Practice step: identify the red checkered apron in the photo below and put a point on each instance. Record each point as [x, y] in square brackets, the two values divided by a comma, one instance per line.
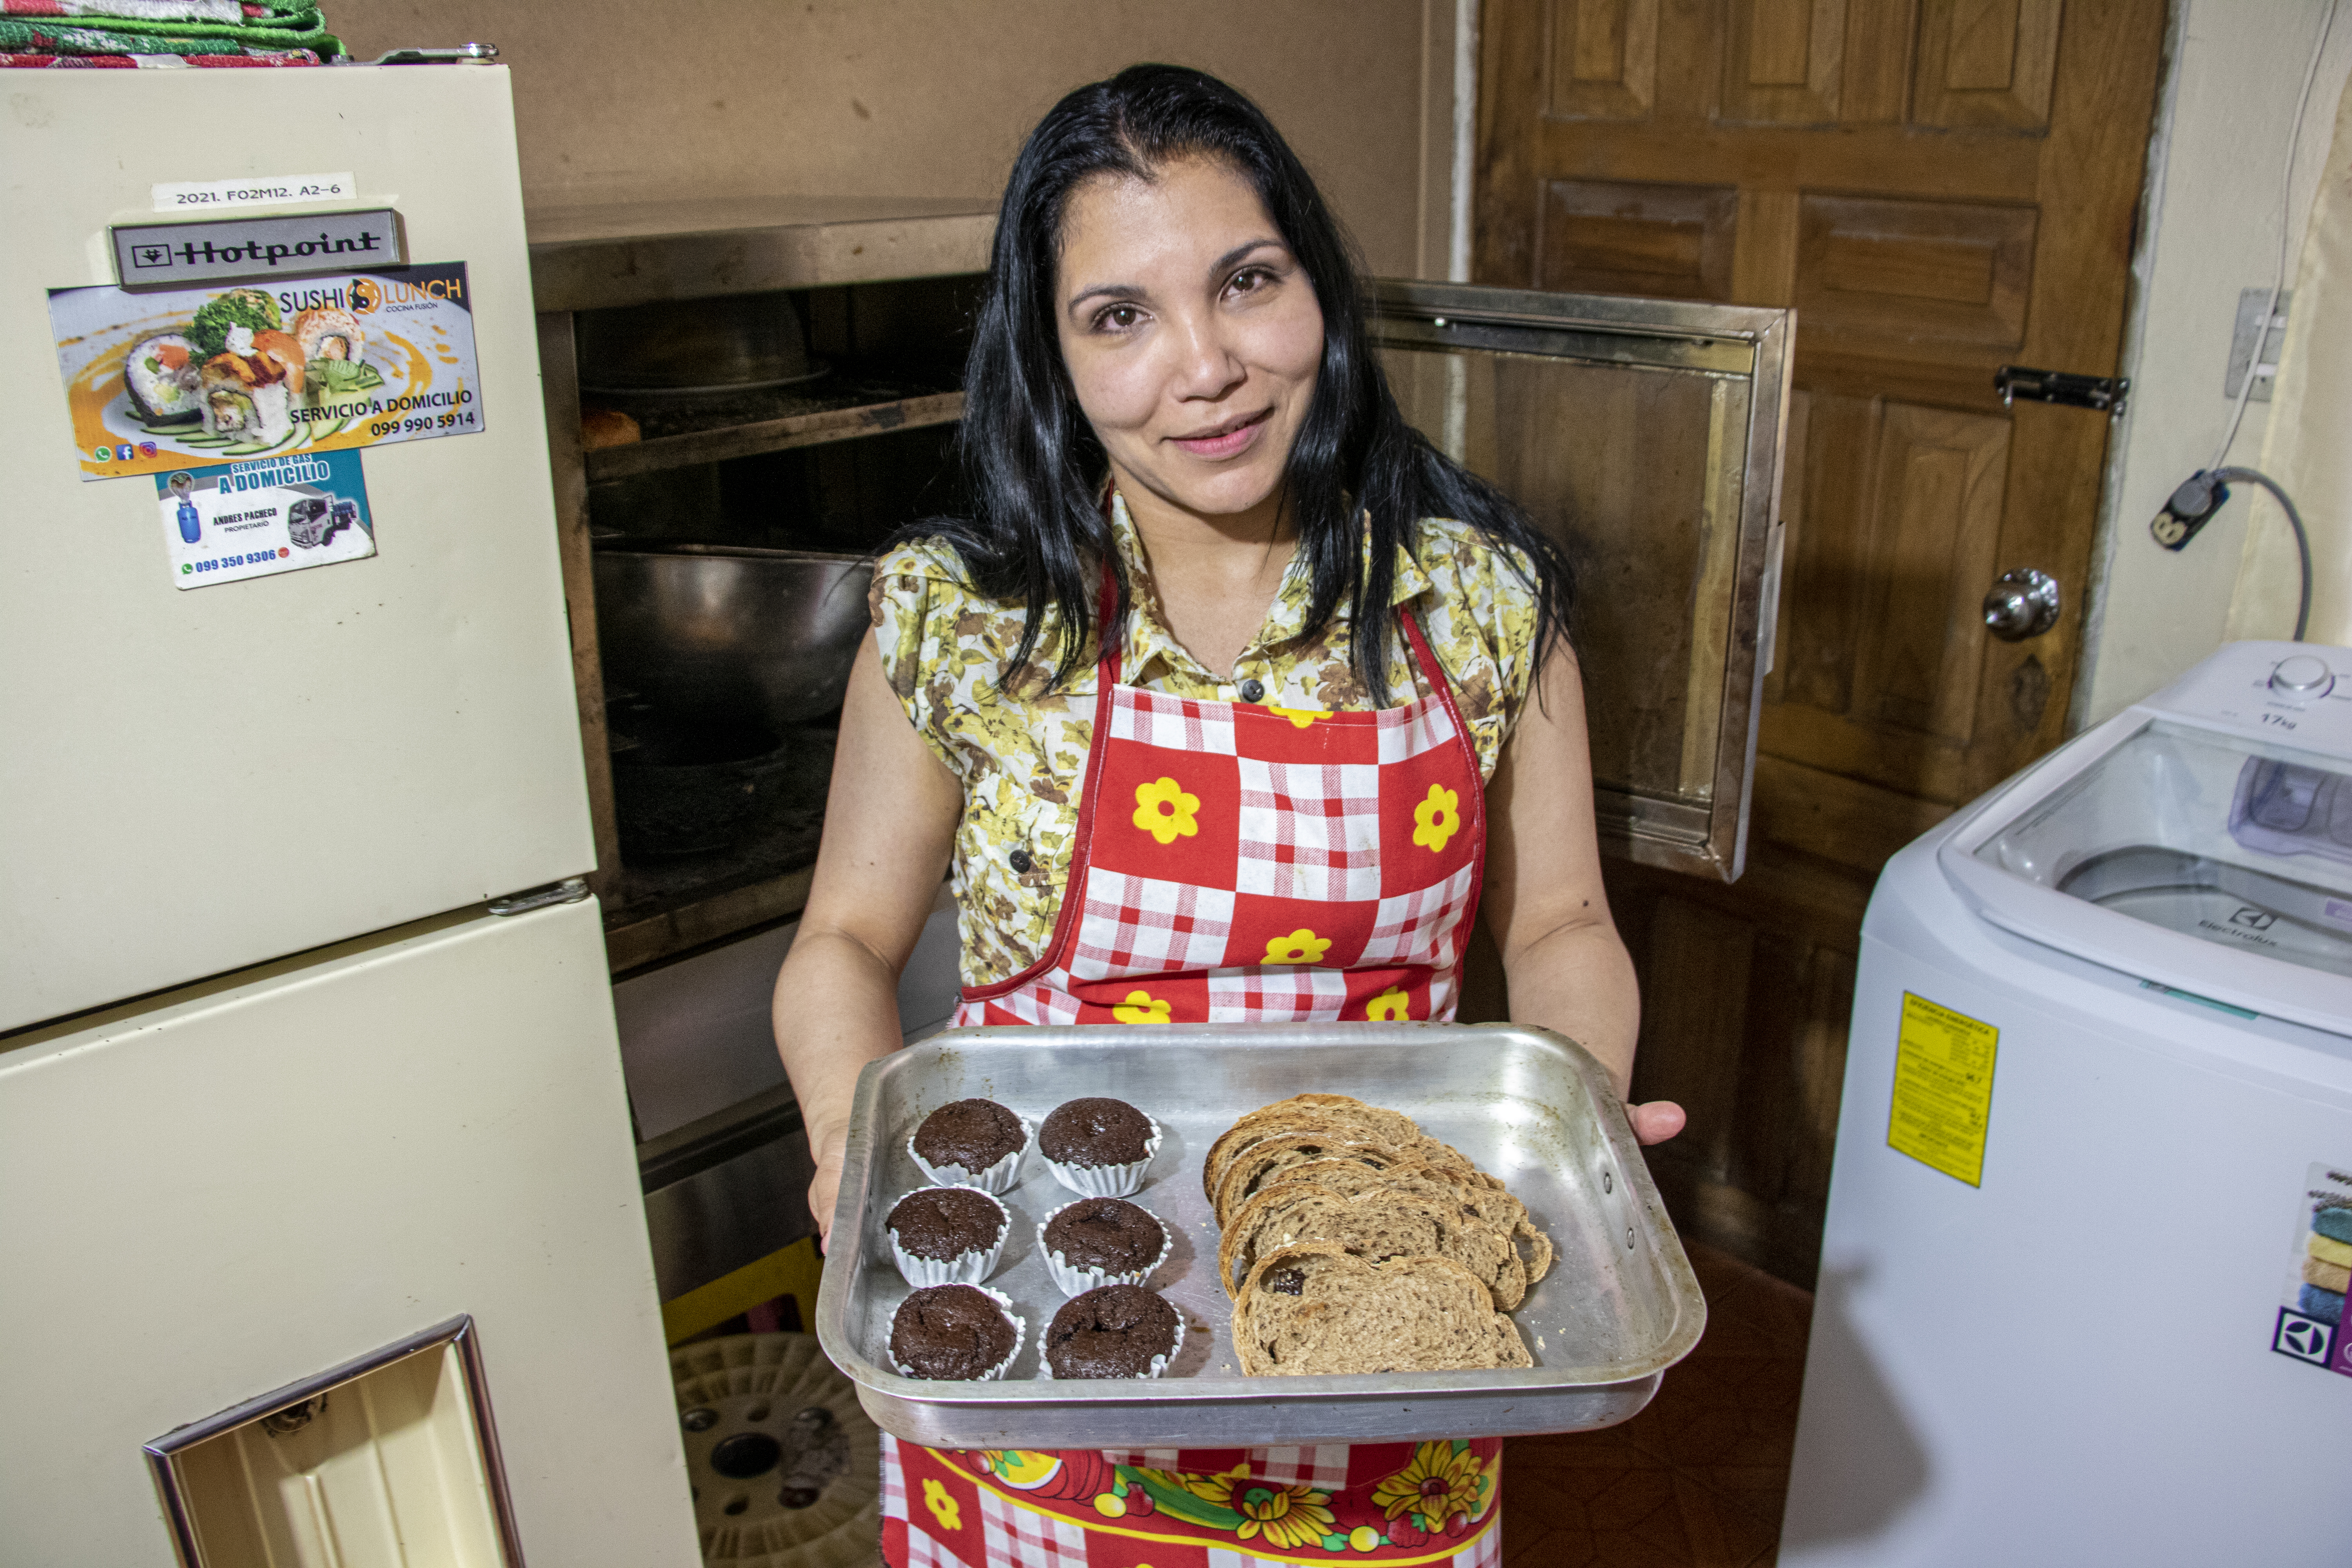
[1237, 863]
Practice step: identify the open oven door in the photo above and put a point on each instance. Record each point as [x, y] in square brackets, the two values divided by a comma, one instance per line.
[1645, 436]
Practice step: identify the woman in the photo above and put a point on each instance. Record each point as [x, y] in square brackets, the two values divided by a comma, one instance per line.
[1201, 529]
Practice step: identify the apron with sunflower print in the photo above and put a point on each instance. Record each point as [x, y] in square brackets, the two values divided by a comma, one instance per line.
[1237, 863]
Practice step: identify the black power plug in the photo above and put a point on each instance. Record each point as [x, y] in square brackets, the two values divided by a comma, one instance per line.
[2193, 506]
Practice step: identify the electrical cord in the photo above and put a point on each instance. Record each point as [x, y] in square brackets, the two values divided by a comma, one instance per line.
[2195, 500]
[2278, 276]
[2294, 521]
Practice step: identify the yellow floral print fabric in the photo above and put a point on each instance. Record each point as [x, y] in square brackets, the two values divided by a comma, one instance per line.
[1022, 755]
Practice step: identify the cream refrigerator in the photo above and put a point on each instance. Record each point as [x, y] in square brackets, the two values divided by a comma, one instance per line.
[320, 1239]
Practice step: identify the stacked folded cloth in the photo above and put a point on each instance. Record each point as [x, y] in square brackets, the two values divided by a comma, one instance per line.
[2328, 1263]
[128, 33]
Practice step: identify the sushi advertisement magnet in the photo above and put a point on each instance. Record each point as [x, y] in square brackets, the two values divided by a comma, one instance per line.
[160, 381]
[259, 518]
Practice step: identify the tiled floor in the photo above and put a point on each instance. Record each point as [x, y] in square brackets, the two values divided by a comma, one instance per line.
[1697, 1480]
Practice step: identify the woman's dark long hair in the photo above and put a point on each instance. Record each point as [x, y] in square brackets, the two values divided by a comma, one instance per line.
[1035, 470]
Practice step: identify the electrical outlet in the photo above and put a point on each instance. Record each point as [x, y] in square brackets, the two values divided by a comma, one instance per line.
[2242, 344]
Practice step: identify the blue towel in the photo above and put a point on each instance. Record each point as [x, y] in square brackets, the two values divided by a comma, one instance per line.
[2327, 1306]
[2336, 1224]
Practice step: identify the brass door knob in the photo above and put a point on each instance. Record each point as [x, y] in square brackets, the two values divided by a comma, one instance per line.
[2021, 605]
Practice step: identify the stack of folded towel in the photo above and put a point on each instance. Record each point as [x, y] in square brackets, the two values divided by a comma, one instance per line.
[125, 33]
[2326, 1263]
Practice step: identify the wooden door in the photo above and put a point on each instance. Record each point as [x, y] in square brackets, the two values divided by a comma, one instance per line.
[1939, 187]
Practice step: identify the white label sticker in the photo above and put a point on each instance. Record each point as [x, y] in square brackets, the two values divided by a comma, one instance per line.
[259, 191]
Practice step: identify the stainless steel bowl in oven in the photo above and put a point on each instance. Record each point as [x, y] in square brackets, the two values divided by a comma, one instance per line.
[693, 629]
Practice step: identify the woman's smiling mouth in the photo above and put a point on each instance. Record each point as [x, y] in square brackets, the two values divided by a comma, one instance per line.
[1226, 440]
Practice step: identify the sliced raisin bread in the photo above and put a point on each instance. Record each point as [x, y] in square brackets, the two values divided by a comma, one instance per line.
[1317, 1307]
[1481, 1197]
[1338, 1114]
[1379, 1224]
[1251, 1168]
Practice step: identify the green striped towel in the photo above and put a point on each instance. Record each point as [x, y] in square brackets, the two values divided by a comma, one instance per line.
[268, 26]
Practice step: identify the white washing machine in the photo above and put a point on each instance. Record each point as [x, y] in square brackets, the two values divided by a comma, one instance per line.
[2091, 1220]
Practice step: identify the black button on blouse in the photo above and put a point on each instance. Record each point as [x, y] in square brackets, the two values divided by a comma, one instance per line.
[1253, 690]
[1019, 860]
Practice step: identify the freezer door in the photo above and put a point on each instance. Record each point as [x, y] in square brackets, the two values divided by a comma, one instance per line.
[197, 780]
[1645, 437]
[233, 1187]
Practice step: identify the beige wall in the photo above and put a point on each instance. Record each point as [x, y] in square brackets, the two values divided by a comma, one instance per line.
[931, 98]
[2212, 227]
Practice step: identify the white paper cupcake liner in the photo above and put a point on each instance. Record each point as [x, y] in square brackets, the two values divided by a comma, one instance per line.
[996, 1181]
[1107, 1181]
[965, 1269]
[1020, 1333]
[1076, 1281]
[1158, 1363]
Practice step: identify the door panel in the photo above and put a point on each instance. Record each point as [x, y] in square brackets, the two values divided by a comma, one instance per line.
[1905, 278]
[1646, 438]
[201, 779]
[219, 1191]
[1618, 237]
[1939, 187]
[1605, 60]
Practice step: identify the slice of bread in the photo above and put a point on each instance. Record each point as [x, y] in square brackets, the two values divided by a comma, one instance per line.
[1334, 1113]
[1379, 1224]
[1316, 1308]
[1246, 1171]
[1480, 1195]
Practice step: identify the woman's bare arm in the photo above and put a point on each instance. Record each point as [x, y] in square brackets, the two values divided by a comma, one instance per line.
[1567, 967]
[889, 823]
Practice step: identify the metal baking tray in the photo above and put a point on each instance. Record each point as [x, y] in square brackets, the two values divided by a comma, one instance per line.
[1619, 1307]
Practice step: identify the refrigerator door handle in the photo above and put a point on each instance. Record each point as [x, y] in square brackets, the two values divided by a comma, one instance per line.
[570, 890]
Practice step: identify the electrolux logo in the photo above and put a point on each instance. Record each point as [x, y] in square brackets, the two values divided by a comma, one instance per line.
[2237, 932]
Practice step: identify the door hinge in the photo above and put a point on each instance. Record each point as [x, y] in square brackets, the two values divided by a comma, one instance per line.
[570, 890]
[2104, 393]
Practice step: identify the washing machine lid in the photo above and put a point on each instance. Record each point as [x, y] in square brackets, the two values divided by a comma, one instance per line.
[2187, 849]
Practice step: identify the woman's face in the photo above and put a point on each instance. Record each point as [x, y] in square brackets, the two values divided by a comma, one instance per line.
[1191, 334]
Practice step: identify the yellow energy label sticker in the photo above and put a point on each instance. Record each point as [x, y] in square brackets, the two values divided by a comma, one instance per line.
[1943, 1089]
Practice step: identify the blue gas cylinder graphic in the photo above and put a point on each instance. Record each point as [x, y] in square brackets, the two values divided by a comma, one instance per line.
[191, 526]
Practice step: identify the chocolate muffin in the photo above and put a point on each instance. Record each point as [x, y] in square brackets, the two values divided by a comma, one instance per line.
[1111, 1332]
[972, 1133]
[1094, 1132]
[944, 1222]
[1108, 1234]
[952, 1333]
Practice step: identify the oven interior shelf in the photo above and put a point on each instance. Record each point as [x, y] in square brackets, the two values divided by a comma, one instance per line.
[830, 457]
[771, 422]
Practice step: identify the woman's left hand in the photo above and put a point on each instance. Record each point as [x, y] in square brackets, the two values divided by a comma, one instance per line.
[1655, 1120]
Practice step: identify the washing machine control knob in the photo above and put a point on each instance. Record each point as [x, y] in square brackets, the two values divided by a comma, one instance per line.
[2304, 674]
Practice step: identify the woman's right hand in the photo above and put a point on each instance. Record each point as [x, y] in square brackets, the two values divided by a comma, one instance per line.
[824, 1191]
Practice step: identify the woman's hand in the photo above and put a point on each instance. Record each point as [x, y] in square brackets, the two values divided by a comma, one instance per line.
[1655, 1120]
[823, 1192]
